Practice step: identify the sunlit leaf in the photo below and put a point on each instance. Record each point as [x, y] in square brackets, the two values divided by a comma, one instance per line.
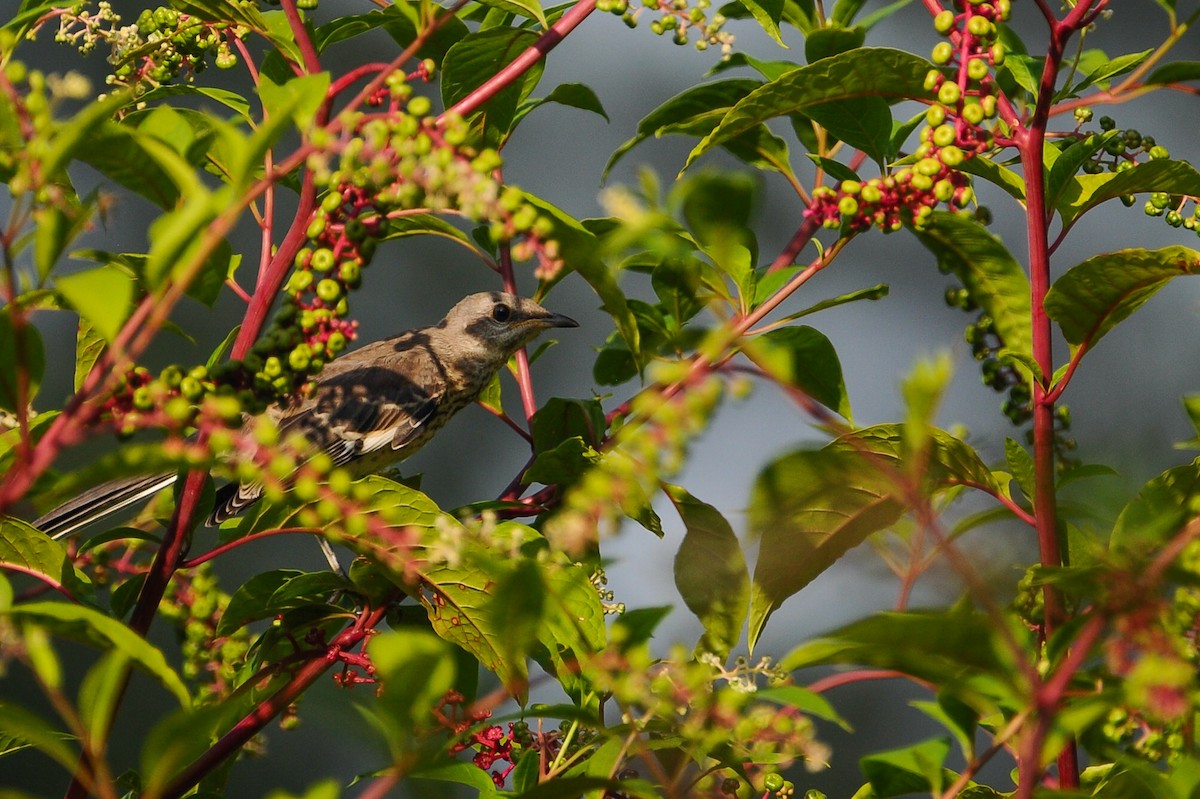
[710, 573]
[863, 73]
[988, 271]
[1094, 296]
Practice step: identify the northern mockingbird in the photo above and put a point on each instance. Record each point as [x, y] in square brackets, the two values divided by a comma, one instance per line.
[372, 407]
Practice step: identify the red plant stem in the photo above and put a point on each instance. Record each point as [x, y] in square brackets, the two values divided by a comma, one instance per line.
[223, 548]
[258, 718]
[548, 41]
[307, 52]
[863, 675]
[1030, 141]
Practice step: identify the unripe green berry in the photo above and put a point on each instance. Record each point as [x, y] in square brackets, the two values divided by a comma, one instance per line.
[980, 26]
[942, 53]
[972, 113]
[936, 115]
[944, 21]
[419, 106]
[949, 93]
[847, 206]
[944, 135]
[977, 69]
[316, 227]
[322, 260]
[1158, 152]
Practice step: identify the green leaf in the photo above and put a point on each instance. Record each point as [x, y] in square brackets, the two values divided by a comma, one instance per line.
[175, 237]
[35, 731]
[768, 69]
[803, 357]
[710, 573]
[989, 272]
[1094, 296]
[23, 548]
[424, 225]
[767, 13]
[89, 346]
[75, 134]
[1176, 72]
[835, 169]
[403, 28]
[100, 693]
[864, 123]
[1000, 176]
[299, 98]
[912, 769]
[102, 296]
[524, 8]
[579, 251]
[958, 649]
[518, 606]
[56, 226]
[178, 739]
[573, 628]
[693, 112]
[1158, 512]
[118, 154]
[892, 75]
[1109, 68]
[462, 773]
[828, 42]
[1084, 192]
[574, 95]
[1020, 463]
[415, 670]
[809, 508]
[473, 60]
[806, 701]
[1067, 163]
[91, 627]
[273, 592]
[1024, 71]
[21, 353]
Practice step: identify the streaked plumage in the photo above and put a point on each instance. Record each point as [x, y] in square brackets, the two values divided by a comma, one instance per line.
[372, 407]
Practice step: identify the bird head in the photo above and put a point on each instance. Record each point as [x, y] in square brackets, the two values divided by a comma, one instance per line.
[499, 323]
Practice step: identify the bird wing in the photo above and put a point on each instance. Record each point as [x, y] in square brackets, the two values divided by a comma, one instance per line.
[384, 398]
[383, 394]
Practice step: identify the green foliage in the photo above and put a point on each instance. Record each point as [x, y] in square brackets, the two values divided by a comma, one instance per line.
[451, 616]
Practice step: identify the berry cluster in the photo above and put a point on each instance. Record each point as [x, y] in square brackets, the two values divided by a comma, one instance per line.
[157, 49]
[677, 19]
[682, 698]
[193, 603]
[954, 132]
[489, 742]
[1123, 150]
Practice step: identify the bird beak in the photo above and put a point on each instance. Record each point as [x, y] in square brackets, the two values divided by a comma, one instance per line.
[555, 320]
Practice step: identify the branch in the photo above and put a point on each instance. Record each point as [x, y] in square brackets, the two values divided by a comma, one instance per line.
[548, 41]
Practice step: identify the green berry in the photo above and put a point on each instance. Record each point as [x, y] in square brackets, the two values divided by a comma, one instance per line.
[944, 21]
[942, 53]
[949, 93]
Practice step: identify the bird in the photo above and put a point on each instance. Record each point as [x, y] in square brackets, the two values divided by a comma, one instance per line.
[369, 408]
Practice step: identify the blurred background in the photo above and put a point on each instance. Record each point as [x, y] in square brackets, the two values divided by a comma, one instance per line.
[1125, 399]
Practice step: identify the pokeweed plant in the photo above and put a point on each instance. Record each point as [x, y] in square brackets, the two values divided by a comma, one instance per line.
[1094, 660]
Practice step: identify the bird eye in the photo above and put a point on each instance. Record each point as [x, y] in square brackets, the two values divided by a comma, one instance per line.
[501, 312]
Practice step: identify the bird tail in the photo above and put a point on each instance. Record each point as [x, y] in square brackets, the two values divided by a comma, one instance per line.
[232, 499]
[100, 501]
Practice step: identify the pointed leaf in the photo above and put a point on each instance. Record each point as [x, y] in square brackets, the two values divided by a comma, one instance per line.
[808, 509]
[103, 296]
[1158, 512]
[680, 114]
[1094, 296]
[1020, 463]
[710, 573]
[988, 271]
[476, 57]
[25, 549]
[803, 357]
[92, 627]
[866, 72]
[1082, 193]
[767, 13]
